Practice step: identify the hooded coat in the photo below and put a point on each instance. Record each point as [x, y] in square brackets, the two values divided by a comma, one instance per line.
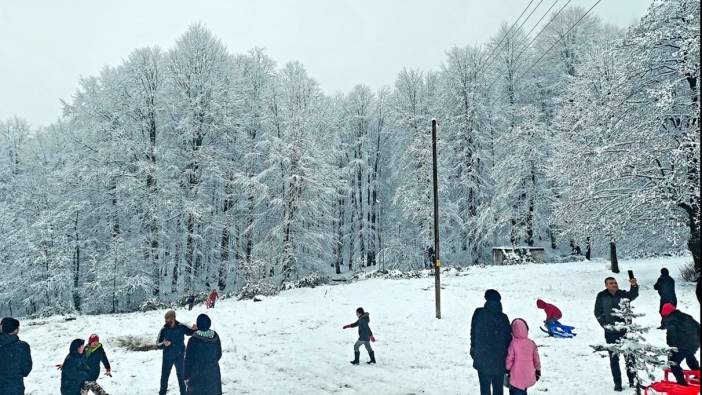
[522, 357]
[552, 312]
[682, 331]
[363, 324]
[202, 364]
[15, 364]
[665, 285]
[75, 370]
[490, 335]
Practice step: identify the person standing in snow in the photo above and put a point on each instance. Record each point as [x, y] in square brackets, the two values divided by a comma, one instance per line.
[588, 248]
[523, 364]
[191, 302]
[15, 358]
[665, 285]
[490, 335]
[75, 372]
[682, 333]
[201, 372]
[553, 313]
[171, 339]
[212, 299]
[605, 303]
[94, 355]
[365, 336]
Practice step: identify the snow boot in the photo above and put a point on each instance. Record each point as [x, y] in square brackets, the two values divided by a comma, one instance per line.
[618, 387]
[372, 358]
[356, 355]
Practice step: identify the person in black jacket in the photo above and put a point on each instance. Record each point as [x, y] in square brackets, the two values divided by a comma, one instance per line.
[202, 356]
[606, 301]
[171, 339]
[15, 358]
[95, 354]
[490, 335]
[682, 333]
[365, 336]
[665, 285]
[75, 372]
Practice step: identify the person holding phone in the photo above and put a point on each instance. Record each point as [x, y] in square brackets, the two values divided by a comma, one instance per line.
[605, 303]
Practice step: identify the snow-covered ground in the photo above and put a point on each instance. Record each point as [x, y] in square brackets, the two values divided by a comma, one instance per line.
[294, 344]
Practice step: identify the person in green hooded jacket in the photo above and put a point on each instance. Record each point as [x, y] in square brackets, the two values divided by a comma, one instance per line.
[94, 355]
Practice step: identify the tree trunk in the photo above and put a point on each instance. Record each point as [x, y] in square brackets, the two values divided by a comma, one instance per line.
[613, 255]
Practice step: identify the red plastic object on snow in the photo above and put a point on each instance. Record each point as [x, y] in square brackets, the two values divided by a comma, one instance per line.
[673, 388]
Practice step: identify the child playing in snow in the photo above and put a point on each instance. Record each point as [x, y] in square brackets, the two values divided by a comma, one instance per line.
[523, 364]
[365, 336]
[553, 314]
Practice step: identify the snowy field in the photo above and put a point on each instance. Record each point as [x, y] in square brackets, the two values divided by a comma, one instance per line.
[294, 344]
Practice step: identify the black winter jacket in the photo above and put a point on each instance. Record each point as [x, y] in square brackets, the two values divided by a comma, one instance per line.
[490, 335]
[682, 332]
[176, 335]
[15, 364]
[666, 289]
[93, 360]
[75, 371]
[364, 331]
[606, 302]
[202, 364]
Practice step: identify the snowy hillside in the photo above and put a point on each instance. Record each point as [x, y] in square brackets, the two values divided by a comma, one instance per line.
[294, 344]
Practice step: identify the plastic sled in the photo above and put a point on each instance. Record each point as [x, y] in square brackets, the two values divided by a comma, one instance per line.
[559, 330]
[666, 386]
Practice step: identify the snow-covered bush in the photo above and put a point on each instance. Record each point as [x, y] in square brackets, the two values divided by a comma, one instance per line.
[135, 343]
[263, 287]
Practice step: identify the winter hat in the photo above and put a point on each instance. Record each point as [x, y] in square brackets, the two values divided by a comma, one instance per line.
[8, 325]
[203, 322]
[540, 303]
[93, 338]
[665, 271]
[170, 314]
[667, 309]
[491, 294]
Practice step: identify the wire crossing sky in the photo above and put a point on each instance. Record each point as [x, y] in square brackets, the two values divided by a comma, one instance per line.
[47, 45]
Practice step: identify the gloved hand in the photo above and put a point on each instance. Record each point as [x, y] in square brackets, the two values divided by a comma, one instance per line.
[538, 375]
[108, 373]
[347, 326]
[372, 338]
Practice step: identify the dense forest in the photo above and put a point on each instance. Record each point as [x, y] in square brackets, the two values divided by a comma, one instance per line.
[192, 168]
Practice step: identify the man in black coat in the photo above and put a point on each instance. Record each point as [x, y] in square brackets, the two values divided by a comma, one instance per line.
[171, 339]
[202, 356]
[606, 301]
[682, 333]
[15, 358]
[665, 285]
[490, 335]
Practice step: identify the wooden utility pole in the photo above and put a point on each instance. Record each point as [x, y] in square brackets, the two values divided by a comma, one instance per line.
[437, 261]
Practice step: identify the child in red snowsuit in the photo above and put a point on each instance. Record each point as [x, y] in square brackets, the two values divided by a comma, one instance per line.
[212, 298]
[553, 313]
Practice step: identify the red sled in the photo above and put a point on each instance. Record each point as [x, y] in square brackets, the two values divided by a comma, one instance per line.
[673, 388]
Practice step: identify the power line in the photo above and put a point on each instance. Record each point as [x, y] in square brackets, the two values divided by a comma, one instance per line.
[526, 47]
[539, 21]
[487, 61]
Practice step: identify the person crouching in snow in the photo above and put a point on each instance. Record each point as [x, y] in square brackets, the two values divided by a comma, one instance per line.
[523, 364]
[553, 314]
[201, 371]
[683, 334]
[365, 336]
[75, 373]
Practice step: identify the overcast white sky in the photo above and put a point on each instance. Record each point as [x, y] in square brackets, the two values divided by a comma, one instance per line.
[46, 45]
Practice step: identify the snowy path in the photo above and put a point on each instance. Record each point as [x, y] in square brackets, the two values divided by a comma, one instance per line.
[294, 344]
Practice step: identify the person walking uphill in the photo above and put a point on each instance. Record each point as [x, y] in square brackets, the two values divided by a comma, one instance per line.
[15, 358]
[523, 363]
[665, 285]
[683, 334]
[171, 339]
[606, 301]
[365, 336]
[490, 335]
[94, 355]
[201, 372]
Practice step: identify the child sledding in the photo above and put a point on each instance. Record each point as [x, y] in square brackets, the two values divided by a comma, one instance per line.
[365, 336]
[552, 326]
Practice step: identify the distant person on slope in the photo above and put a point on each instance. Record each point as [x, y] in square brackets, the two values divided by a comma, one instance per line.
[94, 355]
[202, 374]
[665, 285]
[490, 336]
[171, 339]
[682, 333]
[523, 363]
[75, 373]
[365, 336]
[15, 358]
[212, 299]
[191, 302]
[606, 301]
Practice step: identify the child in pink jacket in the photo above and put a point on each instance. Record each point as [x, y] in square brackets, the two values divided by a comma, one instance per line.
[523, 365]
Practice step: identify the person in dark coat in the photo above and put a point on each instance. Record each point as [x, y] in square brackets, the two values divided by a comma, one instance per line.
[74, 369]
[490, 335]
[606, 301]
[682, 333]
[171, 339]
[665, 285]
[202, 356]
[15, 358]
[365, 336]
[94, 355]
[191, 302]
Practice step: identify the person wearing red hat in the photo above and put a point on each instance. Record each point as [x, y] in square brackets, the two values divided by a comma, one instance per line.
[682, 332]
[95, 354]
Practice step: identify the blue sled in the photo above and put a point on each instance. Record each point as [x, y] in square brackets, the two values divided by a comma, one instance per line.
[559, 330]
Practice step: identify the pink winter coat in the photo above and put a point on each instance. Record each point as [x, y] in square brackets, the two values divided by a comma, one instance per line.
[522, 357]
